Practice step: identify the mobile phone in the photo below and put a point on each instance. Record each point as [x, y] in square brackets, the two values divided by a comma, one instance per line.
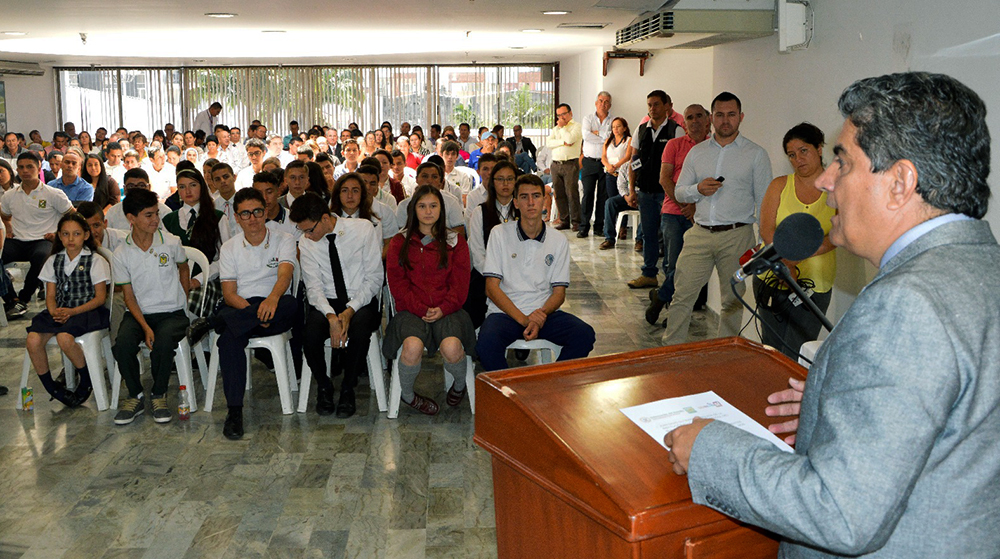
[721, 179]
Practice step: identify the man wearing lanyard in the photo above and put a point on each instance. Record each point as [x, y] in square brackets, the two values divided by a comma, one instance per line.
[726, 178]
[565, 142]
[596, 129]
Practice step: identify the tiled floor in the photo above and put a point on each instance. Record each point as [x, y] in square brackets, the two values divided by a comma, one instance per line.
[73, 485]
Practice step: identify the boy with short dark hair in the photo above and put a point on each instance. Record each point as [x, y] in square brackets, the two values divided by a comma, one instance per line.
[151, 268]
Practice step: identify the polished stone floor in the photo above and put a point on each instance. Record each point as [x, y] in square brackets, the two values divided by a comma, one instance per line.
[74, 485]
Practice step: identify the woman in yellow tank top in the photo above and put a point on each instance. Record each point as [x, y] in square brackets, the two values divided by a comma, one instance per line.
[788, 326]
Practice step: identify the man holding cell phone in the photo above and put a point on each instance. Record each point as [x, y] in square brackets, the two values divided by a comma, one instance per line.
[726, 178]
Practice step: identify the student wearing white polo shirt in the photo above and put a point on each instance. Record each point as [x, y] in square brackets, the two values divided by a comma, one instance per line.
[342, 270]
[275, 216]
[134, 178]
[256, 268]
[485, 169]
[527, 272]
[431, 173]
[30, 213]
[460, 181]
[386, 214]
[151, 268]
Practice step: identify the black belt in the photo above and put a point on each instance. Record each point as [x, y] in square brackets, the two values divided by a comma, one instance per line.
[720, 228]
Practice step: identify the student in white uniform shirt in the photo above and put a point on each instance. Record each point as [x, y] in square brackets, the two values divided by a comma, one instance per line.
[162, 175]
[430, 173]
[497, 209]
[527, 272]
[297, 180]
[256, 268]
[342, 270]
[30, 212]
[385, 210]
[460, 180]
[275, 148]
[225, 192]
[276, 216]
[485, 168]
[134, 178]
[351, 200]
[255, 154]
[152, 270]
[351, 152]
[104, 236]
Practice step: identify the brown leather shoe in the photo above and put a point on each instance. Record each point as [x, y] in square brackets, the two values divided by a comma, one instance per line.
[638, 246]
[643, 282]
[562, 226]
[607, 245]
[622, 232]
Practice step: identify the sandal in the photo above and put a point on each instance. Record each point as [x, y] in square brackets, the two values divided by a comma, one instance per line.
[423, 405]
[455, 397]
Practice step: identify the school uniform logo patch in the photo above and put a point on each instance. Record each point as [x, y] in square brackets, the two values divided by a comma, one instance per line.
[164, 259]
[272, 263]
[42, 204]
[549, 259]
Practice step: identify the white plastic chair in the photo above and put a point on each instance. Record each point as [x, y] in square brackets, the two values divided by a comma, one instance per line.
[635, 223]
[544, 346]
[199, 258]
[396, 389]
[281, 352]
[809, 351]
[376, 381]
[93, 344]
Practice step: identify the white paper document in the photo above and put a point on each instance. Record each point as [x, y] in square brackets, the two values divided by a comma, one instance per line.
[663, 416]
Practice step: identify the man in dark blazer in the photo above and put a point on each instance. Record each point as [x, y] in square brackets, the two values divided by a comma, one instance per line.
[898, 428]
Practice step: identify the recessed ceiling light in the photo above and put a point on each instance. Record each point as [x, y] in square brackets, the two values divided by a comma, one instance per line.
[273, 31]
[14, 33]
[517, 48]
[556, 12]
[221, 14]
[531, 31]
[198, 60]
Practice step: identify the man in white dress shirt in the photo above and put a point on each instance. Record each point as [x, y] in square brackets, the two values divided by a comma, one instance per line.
[596, 127]
[207, 119]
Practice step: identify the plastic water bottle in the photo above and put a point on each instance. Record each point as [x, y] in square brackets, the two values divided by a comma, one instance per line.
[183, 409]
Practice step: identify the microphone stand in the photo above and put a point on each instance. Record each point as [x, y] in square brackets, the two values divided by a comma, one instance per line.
[782, 272]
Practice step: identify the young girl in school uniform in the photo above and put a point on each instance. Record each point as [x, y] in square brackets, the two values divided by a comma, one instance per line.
[75, 278]
[428, 268]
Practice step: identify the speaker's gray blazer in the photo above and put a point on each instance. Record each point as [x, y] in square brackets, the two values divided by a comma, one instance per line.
[898, 450]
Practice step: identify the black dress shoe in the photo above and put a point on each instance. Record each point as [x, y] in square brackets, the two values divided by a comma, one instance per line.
[3, 390]
[582, 234]
[233, 428]
[197, 330]
[324, 400]
[346, 407]
[654, 308]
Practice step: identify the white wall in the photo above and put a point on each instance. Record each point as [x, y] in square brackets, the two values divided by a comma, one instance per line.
[856, 39]
[580, 80]
[31, 103]
[686, 75]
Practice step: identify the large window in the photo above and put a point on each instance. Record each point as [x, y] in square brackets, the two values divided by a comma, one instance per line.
[147, 98]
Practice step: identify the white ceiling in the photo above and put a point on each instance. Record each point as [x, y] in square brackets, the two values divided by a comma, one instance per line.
[177, 33]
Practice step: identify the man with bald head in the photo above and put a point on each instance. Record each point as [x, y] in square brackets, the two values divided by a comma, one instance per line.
[596, 128]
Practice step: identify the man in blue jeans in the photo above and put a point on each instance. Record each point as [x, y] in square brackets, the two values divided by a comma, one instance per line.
[644, 184]
[675, 218]
[527, 272]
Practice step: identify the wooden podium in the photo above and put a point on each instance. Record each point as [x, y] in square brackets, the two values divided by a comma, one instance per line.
[574, 478]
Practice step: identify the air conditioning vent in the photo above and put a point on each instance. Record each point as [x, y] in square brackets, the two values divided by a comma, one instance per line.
[582, 25]
[696, 28]
[11, 68]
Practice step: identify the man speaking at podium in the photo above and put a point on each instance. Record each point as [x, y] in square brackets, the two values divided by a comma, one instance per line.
[898, 442]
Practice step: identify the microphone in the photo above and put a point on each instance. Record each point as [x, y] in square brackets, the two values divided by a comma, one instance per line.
[797, 237]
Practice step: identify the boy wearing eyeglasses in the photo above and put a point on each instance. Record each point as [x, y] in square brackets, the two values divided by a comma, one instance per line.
[255, 267]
